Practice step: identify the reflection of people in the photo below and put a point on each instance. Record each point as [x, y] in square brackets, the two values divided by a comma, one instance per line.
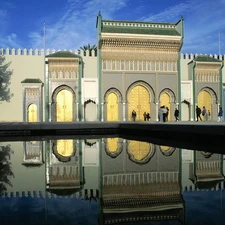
[134, 114]
[198, 113]
[220, 114]
[176, 114]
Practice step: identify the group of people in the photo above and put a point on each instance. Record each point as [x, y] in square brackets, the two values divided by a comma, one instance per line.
[146, 116]
[207, 114]
[164, 112]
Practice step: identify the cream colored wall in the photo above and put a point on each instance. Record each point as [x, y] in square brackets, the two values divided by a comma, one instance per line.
[184, 67]
[90, 65]
[23, 66]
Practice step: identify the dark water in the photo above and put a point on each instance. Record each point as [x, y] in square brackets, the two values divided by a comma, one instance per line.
[109, 181]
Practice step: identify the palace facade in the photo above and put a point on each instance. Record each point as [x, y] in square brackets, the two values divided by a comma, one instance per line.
[138, 66]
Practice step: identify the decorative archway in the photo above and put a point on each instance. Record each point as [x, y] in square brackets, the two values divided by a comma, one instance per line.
[32, 114]
[138, 100]
[63, 104]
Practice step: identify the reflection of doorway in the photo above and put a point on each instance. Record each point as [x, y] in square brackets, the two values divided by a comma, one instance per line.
[64, 109]
[205, 99]
[112, 107]
[112, 144]
[139, 100]
[165, 101]
[32, 113]
[65, 147]
[139, 150]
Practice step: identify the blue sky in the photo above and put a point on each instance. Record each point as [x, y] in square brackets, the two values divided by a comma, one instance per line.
[72, 23]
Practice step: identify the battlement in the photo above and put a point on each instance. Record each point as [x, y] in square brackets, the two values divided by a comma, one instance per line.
[87, 53]
[42, 52]
[193, 56]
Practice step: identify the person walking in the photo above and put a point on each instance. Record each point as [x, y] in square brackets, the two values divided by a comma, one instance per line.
[204, 113]
[209, 115]
[198, 113]
[145, 116]
[220, 114]
[176, 114]
[148, 116]
[134, 114]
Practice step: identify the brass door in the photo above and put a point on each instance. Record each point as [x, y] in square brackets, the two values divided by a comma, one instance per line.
[165, 101]
[64, 108]
[205, 99]
[139, 100]
[139, 150]
[32, 113]
[65, 147]
[112, 107]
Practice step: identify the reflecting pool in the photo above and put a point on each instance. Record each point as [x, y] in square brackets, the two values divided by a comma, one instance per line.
[109, 181]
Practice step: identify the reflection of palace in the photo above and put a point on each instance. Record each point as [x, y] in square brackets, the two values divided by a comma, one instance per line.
[138, 66]
[206, 172]
[132, 181]
[134, 189]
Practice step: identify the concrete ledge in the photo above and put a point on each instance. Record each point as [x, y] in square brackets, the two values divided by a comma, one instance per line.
[189, 135]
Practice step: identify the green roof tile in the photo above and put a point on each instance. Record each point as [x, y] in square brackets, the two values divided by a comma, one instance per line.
[206, 58]
[31, 80]
[132, 27]
[65, 54]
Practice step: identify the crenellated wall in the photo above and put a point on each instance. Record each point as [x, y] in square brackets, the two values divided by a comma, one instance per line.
[29, 63]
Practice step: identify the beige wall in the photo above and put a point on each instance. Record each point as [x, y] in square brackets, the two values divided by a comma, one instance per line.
[23, 66]
[90, 65]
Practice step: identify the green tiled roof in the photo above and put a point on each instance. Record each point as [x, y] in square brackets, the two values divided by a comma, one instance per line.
[206, 58]
[131, 27]
[65, 54]
[31, 80]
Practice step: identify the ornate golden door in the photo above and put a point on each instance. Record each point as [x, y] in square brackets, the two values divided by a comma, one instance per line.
[112, 107]
[165, 101]
[139, 150]
[205, 99]
[64, 106]
[139, 100]
[32, 113]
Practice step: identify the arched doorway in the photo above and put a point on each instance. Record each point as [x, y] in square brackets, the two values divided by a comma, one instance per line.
[205, 99]
[139, 100]
[112, 107]
[32, 113]
[165, 101]
[64, 106]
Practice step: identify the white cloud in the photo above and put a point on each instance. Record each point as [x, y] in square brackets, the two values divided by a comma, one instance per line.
[77, 25]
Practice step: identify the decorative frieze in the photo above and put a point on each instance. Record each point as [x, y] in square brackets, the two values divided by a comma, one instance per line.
[139, 65]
